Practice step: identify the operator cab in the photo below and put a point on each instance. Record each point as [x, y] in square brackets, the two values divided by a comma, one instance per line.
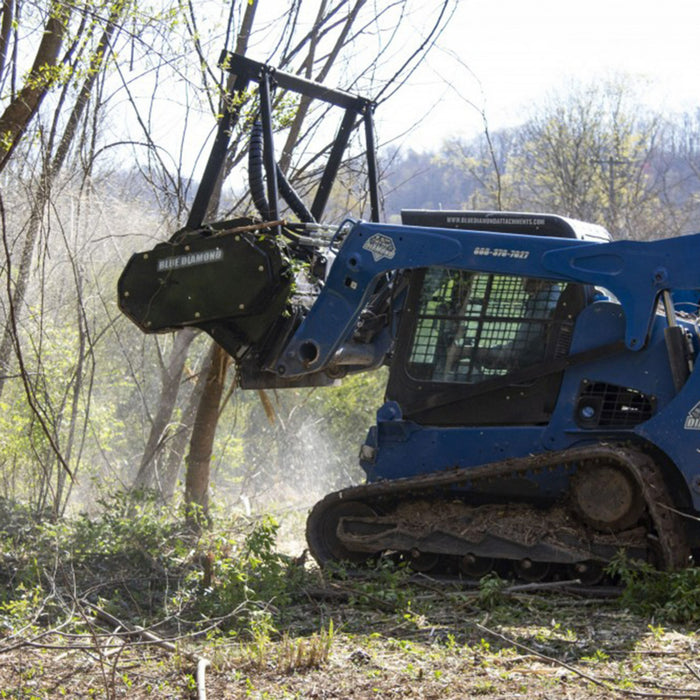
[468, 335]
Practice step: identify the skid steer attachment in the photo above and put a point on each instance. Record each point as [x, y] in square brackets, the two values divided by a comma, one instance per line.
[235, 279]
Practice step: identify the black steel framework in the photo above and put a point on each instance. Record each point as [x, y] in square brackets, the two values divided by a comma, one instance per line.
[267, 78]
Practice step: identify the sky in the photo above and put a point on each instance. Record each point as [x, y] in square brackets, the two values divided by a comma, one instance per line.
[504, 56]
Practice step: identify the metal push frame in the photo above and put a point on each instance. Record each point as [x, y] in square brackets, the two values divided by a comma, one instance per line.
[267, 79]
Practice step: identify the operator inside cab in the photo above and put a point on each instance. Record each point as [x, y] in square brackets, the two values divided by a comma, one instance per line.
[527, 345]
[471, 326]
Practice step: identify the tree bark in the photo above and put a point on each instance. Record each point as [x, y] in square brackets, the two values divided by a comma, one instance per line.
[198, 461]
[20, 112]
[8, 17]
[179, 442]
[147, 476]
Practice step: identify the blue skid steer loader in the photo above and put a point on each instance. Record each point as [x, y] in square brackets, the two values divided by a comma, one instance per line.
[542, 410]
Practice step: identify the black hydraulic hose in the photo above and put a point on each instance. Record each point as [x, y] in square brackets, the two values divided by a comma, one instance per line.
[290, 196]
[257, 182]
[255, 172]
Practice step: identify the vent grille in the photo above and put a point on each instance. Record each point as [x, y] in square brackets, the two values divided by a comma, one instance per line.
[602, 405]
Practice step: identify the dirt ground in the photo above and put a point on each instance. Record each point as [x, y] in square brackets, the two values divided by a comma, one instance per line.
[426, 642]
[390, 635]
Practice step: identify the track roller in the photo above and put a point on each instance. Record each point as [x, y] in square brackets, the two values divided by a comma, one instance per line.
[531, 571]
[588, 572]
[423, 561]
[475, 567]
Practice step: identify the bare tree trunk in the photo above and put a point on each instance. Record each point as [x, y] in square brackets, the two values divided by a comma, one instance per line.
[207, 417]
[8, 17]
[198, 460]
[179, 441]
[147, 476]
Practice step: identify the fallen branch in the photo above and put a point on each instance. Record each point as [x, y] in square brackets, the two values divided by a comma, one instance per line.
[138, 631]
[540, 586]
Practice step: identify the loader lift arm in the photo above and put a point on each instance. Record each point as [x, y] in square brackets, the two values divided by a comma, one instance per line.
[635, 272]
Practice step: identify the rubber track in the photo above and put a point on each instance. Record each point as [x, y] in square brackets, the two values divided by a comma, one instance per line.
[672, 546]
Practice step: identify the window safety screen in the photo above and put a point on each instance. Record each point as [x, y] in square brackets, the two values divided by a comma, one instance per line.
[472, 326]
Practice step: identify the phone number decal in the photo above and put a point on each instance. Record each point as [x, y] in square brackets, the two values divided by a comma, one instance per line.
[502, 253]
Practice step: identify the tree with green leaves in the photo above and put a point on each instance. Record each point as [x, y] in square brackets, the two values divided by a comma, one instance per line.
[589, 154]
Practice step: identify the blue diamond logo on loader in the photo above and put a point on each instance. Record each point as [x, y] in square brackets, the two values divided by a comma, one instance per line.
[380, 246]
[692, 421]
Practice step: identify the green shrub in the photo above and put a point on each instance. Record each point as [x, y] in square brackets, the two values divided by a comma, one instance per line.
[668, 595]
[141, 564]
[236, 579]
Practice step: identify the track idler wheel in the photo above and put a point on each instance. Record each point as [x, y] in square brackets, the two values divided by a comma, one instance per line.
[607, 497]
[322, 532]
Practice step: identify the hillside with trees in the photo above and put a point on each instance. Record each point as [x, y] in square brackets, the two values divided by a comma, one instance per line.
[591, 152]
